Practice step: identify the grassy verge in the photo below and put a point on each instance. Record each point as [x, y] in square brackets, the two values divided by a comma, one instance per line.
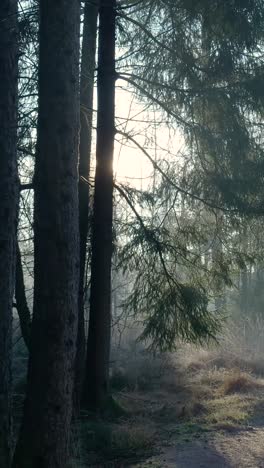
[186, 400]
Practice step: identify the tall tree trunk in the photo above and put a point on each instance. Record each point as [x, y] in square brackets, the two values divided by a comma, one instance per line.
[21, 300]
[244, 290]
[86, 116]
[9, 194]
[98, 345]
[244, 287]
[44, 435]
[219, 290]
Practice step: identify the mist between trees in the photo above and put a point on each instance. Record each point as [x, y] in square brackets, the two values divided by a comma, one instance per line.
[131, 199]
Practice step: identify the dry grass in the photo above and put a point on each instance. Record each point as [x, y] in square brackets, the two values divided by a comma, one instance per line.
[175, 397]
[132, 438]
[239, 382]
[236, 350]
[101, 441]
[228, 411]
[199, 360]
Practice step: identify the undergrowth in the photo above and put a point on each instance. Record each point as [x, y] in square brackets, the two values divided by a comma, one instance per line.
[170, 399]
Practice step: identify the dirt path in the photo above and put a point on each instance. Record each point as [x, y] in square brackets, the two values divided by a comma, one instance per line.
[242, 449]
[197, 416]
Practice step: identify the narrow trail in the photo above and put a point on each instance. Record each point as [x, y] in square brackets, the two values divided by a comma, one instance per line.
[205, 413]
[244, 449]
[234, 447]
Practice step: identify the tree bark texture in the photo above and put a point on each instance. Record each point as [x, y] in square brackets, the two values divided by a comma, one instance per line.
[44, 435]
[86, 116]
[98, 345]
[9, 194]
[244, 275]
[21, 300]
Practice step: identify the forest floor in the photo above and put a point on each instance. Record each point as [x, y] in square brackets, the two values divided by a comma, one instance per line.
[192, 409]
[223, 427]
[241, 449]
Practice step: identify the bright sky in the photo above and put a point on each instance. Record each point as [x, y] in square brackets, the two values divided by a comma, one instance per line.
[134, 118]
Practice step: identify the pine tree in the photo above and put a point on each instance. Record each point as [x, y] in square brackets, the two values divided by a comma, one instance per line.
[200, 64]
[44, 435]
[8, 210]
[86, 117]
[98, 345]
